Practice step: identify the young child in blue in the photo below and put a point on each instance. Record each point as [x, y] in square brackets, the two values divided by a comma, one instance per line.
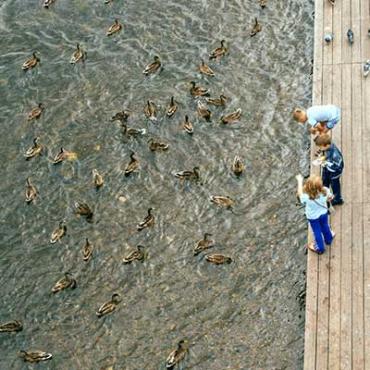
[321, 118]
[314, 196]
[332, 166]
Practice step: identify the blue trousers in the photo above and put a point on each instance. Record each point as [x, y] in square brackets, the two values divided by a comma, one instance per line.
[328, 181]
[320, 227]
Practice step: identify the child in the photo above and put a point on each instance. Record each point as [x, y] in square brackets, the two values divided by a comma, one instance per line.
[314, 196]
[321, 118]
[332, 166]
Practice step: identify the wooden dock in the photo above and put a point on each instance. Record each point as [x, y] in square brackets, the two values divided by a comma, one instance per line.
[337, 333]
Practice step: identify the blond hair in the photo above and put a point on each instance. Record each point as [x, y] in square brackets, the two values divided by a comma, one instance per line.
[298, 114]
[323, 140]
[313, 187]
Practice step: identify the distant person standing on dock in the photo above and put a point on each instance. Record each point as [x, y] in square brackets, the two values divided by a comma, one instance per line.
[321, 118]
[332, 166]
[315, 196]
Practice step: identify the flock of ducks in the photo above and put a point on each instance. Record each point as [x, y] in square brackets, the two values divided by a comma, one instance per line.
[83, 209]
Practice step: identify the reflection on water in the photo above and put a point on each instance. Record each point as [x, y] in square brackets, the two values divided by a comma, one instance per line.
[242, 315]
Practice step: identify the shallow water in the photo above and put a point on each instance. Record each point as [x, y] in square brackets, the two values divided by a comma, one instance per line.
[245, 315]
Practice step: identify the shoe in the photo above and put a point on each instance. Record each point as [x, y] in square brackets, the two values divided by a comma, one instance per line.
[337, 202]
[312, 247]
[333, 236]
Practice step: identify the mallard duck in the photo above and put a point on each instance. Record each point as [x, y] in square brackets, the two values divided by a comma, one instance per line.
[66, 282]
[156, 146]
[178, 354]
[147, 222]
[206, 69]
[203, 244]
[61, 156]
[153, 67]
[198, 90]
[256, 28]
[188, 126]
[150, 110]
[31, 191]
[35, 356]
[137, 254]
[262, 3]
[232, 117]
[114, 28]
[172, 108]
[84, 210]
[31, 62]
[121, 116]
[87, 250]
[218, 259]
[222, 201]
[97, 178]
[47, 3]
[109, 306]
[204, 112]
[58, 233]
[132, 131]
[34, 150]
[238, 166]
[78, 55]
[219, 52]
[132, 166]
[188, 175]
[221, 102]
[35, 112]
[10, 326]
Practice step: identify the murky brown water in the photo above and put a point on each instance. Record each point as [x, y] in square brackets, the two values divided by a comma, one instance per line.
[239, 316]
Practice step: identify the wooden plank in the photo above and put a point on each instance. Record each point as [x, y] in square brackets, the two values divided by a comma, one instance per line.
[337, 31]
[356, 28]
[365, 25]
[328, 27]
[366, 231]
[346, 24]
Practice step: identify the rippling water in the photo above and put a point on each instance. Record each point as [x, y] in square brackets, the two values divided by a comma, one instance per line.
[239, 316]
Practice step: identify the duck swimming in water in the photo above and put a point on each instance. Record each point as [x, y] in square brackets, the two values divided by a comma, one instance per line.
[11, 326]
[197, 91]
[238, 166]
[203, 244]
[137, 254]
[84, 210]
[218, 102]
[97, 179]
[58, 233]
[31, 191]
[78, 55]
[153, 67]
[62, 156]
[204, 112]
[172, 108]
[87, 250]
[128, 131]
[121, 116]
[188, 175]
[219, 52]
[114, 28]
[256, 28]
[262, 3]
[178, 354]
[222, 201]
[206, 69]
[35, 112]
[47, 3]
[147, 222]
[35, 356]
[66, 282]
[232, 117]
[156, 146]
[132, 166]
[150, 110]
[35, 150]
[188, 126]
[31, 62]
[109, 306]
[218, 259]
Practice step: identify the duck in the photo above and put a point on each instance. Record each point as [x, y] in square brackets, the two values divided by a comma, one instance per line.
[47, 3]
[109, 306]
[35, 112]
[256, 28]
[188, 126]
[78, 55]
[61, 156]
[132, 166]
[203, 244]
[221, 101]
[11, 326]
[198, 90]
[97, 178]
[35, 356]
[219, 52]
[156, 146]
[114, 28]
[87, 250]
[31, 191]
[58, 233]
[172, 108]
[178, 354]
[262, 3]
[222, 201]
[66, 282]
[150, 111]
[238, 166]
[147, 222]
[34, 150]
[128, 131]
[121, 116]
[206, 69]
[218, 259]
[232, 117]
[188, 175]
[153, 67]
[204, 112]
[31, 62]
[137, 254]
[84, 210]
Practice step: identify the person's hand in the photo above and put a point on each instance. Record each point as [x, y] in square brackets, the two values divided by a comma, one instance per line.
[299, 178]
